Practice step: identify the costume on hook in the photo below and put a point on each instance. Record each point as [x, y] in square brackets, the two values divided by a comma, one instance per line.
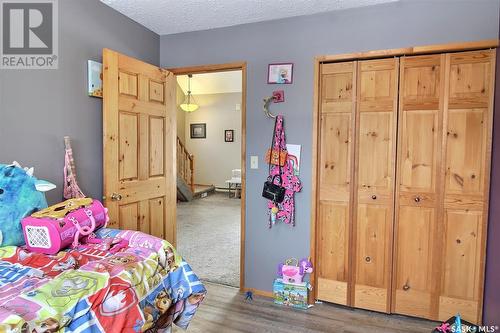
[71, 188]
[284, 176]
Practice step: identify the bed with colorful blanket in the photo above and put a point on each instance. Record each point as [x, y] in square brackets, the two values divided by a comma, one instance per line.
[144, 287]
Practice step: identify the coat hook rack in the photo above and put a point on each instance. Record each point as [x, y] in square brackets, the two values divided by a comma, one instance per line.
[268, 100]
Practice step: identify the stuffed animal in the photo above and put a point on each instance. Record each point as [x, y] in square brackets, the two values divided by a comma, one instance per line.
[293, 271]
[21, 194]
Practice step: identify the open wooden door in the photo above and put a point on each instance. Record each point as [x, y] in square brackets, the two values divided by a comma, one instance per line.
[139, 134]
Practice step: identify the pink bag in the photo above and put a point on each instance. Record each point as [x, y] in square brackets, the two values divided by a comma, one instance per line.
[49, 235]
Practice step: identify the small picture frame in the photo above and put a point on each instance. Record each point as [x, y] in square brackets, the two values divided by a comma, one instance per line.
[228, 135]
[94, 73]
[198, 131]
[281, 73]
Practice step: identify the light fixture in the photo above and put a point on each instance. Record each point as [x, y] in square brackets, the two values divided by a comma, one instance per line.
[189, 104]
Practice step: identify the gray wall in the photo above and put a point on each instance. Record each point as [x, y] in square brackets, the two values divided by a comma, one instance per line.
[298, 40]
[39, 107]
[213, 157]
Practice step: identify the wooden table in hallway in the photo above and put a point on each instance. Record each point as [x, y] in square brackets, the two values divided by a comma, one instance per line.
[226, 310]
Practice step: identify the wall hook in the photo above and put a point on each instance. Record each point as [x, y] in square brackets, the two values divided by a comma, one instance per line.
[268, 100]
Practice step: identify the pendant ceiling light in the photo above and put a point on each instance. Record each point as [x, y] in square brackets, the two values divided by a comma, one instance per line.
[189, 104]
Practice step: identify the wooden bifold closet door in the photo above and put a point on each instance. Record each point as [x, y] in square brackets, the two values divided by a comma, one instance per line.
[374, 174]
[403, 181]
[421, 101]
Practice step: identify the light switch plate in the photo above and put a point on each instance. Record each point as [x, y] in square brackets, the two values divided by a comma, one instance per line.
[254, 162]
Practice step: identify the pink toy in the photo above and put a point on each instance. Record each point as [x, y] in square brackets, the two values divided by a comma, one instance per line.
[110, 244]
[50, 235]
[293, 272]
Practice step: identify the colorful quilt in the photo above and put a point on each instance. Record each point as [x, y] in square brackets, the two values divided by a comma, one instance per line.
[144, 287]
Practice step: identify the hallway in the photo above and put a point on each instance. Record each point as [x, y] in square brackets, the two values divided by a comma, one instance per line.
[208, 237]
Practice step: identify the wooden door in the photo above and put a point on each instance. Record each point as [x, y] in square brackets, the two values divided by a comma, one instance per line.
[377, 92]
[417, 237]
[337, 109]
[139, 145]
[467, 141]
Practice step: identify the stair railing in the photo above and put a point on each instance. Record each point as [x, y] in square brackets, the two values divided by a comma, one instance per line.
[185, 164]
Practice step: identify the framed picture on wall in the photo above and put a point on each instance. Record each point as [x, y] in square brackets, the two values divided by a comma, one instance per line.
[229, 135]
[280, 73]
[198, 131]
[94, 74]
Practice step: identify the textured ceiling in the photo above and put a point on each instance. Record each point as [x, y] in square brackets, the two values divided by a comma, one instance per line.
[173, 16]
[212, 83]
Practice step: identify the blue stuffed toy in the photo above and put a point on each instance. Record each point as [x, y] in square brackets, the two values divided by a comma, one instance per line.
[21, 194]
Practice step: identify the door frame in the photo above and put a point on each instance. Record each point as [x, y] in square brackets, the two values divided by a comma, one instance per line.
[376, 54]
[214, 68]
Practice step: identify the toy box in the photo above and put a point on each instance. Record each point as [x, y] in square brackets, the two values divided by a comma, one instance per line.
[294, 295]
[57, 227]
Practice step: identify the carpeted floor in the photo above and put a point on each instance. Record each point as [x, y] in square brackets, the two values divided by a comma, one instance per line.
[208, 237]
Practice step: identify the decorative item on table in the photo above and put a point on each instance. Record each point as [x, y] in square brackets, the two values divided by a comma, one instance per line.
[293, 295]
[456, 324]
[20, 195]
[94, 73]
[71, 188]
[293, 270]
[198, 131]
[282, 178]
[57, 227]
[280, 73]
[228, 135]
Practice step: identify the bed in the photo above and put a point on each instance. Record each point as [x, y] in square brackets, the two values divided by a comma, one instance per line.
[144, 287]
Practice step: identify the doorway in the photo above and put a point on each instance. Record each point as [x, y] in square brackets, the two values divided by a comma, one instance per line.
[211, 170]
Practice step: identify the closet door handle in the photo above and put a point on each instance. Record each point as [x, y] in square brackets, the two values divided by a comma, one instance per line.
[406, 287]
[417, 199]
[368, 259]
[374, 197]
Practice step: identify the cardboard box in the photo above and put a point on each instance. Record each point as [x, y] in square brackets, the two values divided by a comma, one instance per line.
[294, 295]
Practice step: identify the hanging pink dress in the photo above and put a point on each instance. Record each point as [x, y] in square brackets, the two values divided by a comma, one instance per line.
[291, 183]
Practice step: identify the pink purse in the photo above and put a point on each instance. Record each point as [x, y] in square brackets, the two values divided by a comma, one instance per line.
[49, 235]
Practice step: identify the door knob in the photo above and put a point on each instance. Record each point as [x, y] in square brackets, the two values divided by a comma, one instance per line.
[417, 199]
[406, 287]
[374, 197]
[116, 196]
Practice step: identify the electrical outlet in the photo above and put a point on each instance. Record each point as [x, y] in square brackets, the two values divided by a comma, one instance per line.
[254, 162]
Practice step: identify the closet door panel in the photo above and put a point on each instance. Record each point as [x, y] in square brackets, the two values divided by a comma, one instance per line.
[335, 162]
[417, 200]
[334, 237]
[465, 153]
[467, 156]
[335, 180]
[375, 151]
[375, 173]
[373, 223]
[462, 263]
[413, 282]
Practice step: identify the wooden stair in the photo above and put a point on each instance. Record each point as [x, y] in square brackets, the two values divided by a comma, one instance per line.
[201, 191]
[185, 173]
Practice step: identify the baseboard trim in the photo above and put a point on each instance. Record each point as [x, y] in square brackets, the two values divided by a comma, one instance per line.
[263, 293]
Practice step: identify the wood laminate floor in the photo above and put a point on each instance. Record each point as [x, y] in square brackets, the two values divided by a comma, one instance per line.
[226, 310]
